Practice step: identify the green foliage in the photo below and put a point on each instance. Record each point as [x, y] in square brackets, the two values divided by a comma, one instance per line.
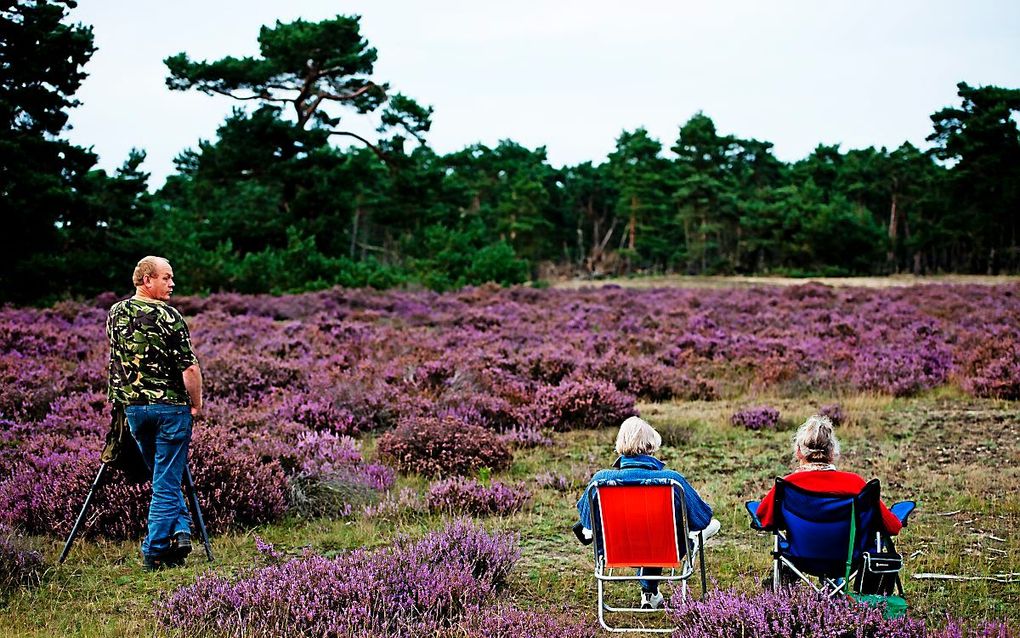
[41, 61]
[455, 258]
[310, 66]
[982, 142]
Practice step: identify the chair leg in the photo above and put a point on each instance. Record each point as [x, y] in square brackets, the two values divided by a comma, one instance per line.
[701, 559]
[603, 608]
[775, 564]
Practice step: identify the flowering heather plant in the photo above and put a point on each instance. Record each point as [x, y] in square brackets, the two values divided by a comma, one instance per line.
[331, 477]
[585, 403]
[902, 371]
[794, 612]
[267, 550]
[834, 412]
[991, 368]
[19, 567]
[318, 413]
[524, 438]
[442, 447]
[459, 495]
[46, 489]
[761, 417]
[512, 362]
[641, 376]
[394, 506]
[235, 488]
[507, 621]
[443, 577]
[553, 481]
[957, 628]
[28, 384]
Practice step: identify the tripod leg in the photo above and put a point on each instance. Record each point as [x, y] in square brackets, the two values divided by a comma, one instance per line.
[196, 511]
[81, 515]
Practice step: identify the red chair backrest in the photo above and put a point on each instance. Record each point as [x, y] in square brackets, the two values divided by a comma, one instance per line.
[639, 526]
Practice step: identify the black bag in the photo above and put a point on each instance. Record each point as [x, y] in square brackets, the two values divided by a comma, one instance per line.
[121, 450]
[879, 573]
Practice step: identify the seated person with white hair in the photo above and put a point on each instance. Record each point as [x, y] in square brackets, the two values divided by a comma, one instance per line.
[636, 443]
[815, 450]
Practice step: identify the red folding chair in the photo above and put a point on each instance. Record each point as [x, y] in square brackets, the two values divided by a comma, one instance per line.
[642, 525]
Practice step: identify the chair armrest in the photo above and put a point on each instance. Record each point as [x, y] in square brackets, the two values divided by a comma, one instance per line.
[752, 511]
[903, 510]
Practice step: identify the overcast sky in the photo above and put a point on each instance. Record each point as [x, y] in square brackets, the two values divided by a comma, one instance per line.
[571, 75]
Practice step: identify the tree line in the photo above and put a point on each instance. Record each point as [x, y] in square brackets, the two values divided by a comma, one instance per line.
[280, 202]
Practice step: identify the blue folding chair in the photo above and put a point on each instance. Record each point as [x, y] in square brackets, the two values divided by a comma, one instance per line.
[838, 540]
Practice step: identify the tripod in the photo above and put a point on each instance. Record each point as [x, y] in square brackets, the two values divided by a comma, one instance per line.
[188, 485]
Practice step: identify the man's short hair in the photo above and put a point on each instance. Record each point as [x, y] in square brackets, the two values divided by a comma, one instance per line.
[147, 266]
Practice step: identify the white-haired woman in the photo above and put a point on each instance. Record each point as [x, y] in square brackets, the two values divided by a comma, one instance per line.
[816, 450]
[636, 444]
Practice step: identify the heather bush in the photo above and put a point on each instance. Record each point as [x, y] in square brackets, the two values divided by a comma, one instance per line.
[641, 376]
[19, 567]
[524, 438]
[795, 612]
[991, 366]
[405, 502]
[834, 412]
[331, 477]
[507, 621]
[236, 489]
[584, 403]
[28, 384]
[554, 481]
[957, 628]
[760, 417]
[901, 371]
[442, 447]
[440, 579]
[513, 362]
[459, 495]
[486, 410]
[696, 389]
[45, 491]
[318, 413]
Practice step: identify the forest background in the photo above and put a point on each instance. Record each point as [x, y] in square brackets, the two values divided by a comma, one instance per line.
[275, 203]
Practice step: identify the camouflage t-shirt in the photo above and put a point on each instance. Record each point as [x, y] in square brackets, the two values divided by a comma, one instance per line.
[150, 347]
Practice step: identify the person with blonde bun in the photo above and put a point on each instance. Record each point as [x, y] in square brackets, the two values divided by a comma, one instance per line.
[816, 450]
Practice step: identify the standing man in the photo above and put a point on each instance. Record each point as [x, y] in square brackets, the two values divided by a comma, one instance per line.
[154, 376]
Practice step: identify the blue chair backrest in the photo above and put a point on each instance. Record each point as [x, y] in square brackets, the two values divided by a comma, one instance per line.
[818, 526]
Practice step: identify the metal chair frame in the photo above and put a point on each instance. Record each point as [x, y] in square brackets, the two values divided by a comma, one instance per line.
[684, 564]
[830, 587]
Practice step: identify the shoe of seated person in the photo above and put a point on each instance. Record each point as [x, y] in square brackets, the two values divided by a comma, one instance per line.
[651, 600]
[712, 529]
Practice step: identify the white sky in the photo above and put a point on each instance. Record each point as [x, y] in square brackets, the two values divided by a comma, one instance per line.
[571, 75]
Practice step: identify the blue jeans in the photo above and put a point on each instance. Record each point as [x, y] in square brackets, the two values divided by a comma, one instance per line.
[650, 586]
[163, 433]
